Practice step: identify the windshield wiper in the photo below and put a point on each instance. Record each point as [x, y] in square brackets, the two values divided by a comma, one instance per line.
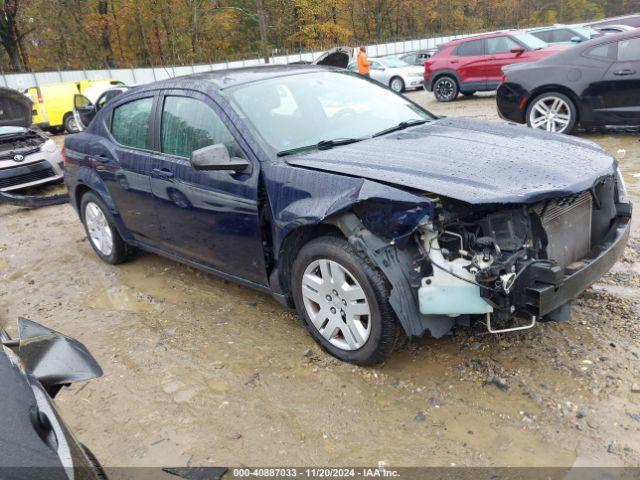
[322, 145]
[401, 126]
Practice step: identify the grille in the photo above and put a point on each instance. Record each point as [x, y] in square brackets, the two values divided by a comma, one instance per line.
[567, 222]
[10, 177]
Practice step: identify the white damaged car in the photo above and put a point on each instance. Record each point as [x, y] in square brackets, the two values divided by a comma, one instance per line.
[27, 156]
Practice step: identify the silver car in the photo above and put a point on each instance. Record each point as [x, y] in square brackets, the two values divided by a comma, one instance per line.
[27, 157]
[394, 73]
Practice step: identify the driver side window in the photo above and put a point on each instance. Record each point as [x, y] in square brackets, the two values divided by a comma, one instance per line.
[189, 124]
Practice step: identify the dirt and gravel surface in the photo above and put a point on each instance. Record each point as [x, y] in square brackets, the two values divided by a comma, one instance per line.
[199, 371]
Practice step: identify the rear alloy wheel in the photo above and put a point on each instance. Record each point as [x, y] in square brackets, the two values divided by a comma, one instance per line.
[343, 300]
[397, 84]
[101, 231]
[445, 89]
[553, 112]
[70, 124]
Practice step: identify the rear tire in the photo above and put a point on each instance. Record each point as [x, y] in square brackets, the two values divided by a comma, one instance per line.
[445, 89]
[101, 230]
[70, 124]
[345, 284]
[553, 112]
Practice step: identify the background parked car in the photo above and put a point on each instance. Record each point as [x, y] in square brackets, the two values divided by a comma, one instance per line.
[611, 29]
[632, 20]
[27, 156]
[475, 63]
[35, 443]
[418, 57]
[53, 103]
[394, 73]
[85, 106]
[595, 83]
[564, 34]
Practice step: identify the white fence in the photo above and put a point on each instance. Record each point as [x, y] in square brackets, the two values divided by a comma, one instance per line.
[132, 76]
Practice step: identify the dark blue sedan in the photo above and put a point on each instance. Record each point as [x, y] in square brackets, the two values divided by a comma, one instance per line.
[358, 207]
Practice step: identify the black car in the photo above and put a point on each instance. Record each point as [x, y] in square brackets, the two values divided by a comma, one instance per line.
[595, 83]
[349, 202]
[35, 444]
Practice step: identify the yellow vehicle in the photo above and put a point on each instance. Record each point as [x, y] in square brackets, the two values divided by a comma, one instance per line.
[53, 104]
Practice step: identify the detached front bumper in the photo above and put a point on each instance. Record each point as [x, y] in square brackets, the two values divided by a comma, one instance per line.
[544, 288]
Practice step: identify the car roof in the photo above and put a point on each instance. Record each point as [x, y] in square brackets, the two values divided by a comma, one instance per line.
[221, 79]
[483, 35]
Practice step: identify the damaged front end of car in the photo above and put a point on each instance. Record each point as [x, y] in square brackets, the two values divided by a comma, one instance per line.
[508, 265]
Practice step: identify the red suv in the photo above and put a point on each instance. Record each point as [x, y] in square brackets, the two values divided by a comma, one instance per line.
[474, 64]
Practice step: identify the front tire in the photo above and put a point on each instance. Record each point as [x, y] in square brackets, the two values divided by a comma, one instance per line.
[397, 84]
[343, 300]
[553, 112]
[445, 89]
[101, 231]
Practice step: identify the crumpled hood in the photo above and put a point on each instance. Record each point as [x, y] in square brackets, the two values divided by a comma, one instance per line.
[472, 161]
[15, 108]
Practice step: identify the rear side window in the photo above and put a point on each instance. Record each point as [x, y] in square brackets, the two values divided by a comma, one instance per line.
[189, 124]
[604, 52]
[130, 123]
[469, 49]
[629, 50]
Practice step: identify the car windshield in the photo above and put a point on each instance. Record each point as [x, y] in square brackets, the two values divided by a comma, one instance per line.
[586, 32]
[304, 110]
[10, 130]
[530, 41]
[393, 62]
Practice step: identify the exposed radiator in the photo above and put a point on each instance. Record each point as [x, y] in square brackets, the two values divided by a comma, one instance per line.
[567, 222]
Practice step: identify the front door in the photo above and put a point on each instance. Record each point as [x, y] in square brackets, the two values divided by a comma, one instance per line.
[207, 216]
[621, 97]
[499, 55]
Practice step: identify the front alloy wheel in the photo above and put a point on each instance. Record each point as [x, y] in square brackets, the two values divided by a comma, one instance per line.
[336, 304]
[397, 85]
[101, 230]
[343, 300]
[552, 112]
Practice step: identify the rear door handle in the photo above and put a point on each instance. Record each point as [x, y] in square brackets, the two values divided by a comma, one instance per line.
[626, 71]
[163, 172]
[99, 158]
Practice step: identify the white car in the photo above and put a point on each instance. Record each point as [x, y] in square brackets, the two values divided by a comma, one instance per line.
[27, 156]
[394, 73]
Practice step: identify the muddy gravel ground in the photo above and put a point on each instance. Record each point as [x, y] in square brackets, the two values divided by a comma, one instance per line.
[199, 371]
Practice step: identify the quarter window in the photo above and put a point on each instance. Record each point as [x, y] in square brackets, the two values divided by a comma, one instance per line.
[629, 50]
[499, 45]
[189, 124]
[470, 49]
[130, 123]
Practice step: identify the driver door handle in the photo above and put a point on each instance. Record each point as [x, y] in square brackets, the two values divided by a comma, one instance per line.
[163, 172]
[626, 71]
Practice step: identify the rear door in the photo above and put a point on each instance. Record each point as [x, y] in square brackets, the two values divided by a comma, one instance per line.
[499, 55]
[621, 84]
[468, 60]
[124, 163]
[207, 216]
[379, 72]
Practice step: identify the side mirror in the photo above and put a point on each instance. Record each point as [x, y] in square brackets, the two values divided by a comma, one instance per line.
[576, 39]
[52, 358]
[517, 50]
[216, 157]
